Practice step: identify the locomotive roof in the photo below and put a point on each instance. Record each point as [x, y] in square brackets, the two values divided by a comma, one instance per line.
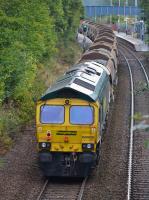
[84, 81]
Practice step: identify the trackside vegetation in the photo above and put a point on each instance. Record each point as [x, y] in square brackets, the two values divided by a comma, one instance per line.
[37, 37]
[145, 6]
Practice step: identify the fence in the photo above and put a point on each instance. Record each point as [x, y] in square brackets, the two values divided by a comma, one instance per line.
[95, 11]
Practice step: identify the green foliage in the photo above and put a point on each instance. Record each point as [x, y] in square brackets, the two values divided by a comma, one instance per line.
[70, 54]
[2, 162]
[146, 144]
[137, 116]
[114, 19]
[141, 87]
[9, 121]
[31, 32]
[145, 6]
[26, 33]
[66, 14]
[116, 2]
[72, 10]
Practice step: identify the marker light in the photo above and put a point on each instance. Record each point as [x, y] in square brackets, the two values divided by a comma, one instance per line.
[44, 145]
[88, 146]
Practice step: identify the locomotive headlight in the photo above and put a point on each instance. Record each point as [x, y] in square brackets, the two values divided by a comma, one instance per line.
[44, 145]
[87, 146]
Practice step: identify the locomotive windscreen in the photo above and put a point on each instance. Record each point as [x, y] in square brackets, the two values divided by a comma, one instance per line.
[52, 114]
[81, 115]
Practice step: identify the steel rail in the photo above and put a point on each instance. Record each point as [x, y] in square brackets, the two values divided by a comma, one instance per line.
[82, 189]
[78, 197]
[43, 189]
[131, 130]
[144, 71]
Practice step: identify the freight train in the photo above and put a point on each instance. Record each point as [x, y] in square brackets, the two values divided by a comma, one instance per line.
[71, 115]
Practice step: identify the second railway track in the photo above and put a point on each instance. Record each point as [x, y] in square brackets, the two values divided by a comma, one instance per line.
[138, 169]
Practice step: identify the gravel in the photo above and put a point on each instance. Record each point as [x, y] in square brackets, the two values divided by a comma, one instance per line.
[20, 177]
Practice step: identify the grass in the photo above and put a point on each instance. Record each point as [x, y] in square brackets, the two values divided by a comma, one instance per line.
[65, 58]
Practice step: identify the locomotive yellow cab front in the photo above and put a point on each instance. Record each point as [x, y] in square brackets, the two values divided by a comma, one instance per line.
[68, 125]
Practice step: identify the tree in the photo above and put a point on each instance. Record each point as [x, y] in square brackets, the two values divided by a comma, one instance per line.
[26, 35]
[145, 6]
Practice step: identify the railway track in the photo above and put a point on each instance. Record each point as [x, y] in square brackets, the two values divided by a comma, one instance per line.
[62, 190]
[138, 164]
